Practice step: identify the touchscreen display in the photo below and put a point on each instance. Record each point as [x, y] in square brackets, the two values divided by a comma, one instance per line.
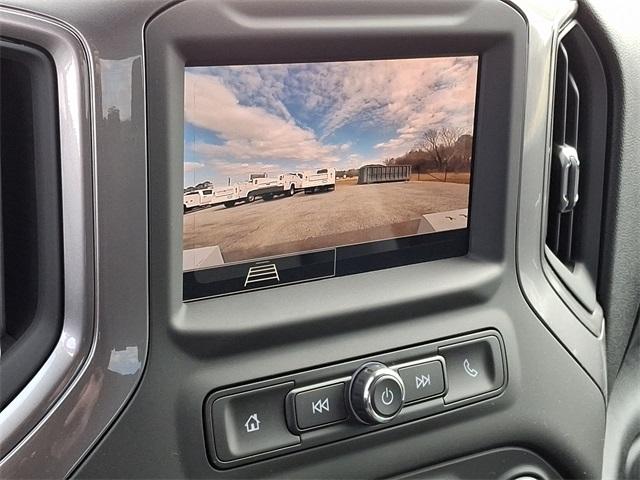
[295, 172]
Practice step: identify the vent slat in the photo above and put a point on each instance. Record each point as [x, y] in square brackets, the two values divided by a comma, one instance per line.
[560, 106]
[573, 113]
[565, 237]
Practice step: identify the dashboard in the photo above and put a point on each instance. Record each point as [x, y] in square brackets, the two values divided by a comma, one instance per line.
[337, 239]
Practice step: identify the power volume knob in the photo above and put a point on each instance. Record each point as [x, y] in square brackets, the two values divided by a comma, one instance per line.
[376, 393]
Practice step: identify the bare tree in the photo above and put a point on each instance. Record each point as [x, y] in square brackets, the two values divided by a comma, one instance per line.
[441, 142]
[449, 137]
[431, 142]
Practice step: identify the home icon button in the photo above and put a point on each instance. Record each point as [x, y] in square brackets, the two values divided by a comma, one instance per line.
[251, 422]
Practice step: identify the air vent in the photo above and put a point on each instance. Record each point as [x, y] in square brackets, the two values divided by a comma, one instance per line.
[565, 163]
[30, 215]
[576, 178]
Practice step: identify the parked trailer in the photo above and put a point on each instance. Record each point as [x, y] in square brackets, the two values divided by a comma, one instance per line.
[197, 198]
[384, 173]
[323, 179]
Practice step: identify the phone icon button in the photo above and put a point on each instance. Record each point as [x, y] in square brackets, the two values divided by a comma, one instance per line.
[472, 372]
[474, 367]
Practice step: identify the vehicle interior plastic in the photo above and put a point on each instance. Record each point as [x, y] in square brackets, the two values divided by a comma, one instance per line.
[113, 365]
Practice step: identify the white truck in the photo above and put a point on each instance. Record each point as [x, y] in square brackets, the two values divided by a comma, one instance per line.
[321, 180]
[197, 198]
[291, 182]
[247, 192]
[267, 188]
[227, 195]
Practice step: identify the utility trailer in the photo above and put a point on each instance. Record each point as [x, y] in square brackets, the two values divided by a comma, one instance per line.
[197, 198]
[321, 180]
[247, 192]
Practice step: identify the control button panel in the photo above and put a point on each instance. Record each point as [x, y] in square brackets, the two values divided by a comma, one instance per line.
[252, 422]
[265, 419]
[422, 380]
[319, 406]
[473, 367]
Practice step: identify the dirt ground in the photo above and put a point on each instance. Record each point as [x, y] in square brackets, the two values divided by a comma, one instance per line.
[349, 214]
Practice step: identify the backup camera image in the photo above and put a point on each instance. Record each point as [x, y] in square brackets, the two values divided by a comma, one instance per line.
[291, 158]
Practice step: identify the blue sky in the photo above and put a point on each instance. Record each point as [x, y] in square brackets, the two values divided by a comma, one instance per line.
[277, 118]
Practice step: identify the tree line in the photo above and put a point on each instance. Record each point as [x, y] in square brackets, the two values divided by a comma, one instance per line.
[438, 150]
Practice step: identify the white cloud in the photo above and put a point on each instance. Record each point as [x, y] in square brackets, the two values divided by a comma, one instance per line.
[232, 169]
[192, 166]
[413, 95]
[248, 132]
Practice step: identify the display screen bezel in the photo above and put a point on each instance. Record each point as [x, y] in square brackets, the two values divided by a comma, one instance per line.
[217, 38]
[339, 260]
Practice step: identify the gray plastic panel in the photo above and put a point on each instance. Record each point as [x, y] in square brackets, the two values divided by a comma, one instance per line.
[99, 358]
[612, 27]
[499, 464]
[24, 414]
[217, 343]
[622, 441]
[211, 344]
[587, 347]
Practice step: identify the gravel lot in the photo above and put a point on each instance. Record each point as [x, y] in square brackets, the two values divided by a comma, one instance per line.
[349, 214]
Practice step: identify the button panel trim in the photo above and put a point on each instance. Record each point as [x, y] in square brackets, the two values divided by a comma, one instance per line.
[420, 410]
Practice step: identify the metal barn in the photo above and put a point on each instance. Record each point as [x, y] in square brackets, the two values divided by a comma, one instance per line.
[384, 173]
